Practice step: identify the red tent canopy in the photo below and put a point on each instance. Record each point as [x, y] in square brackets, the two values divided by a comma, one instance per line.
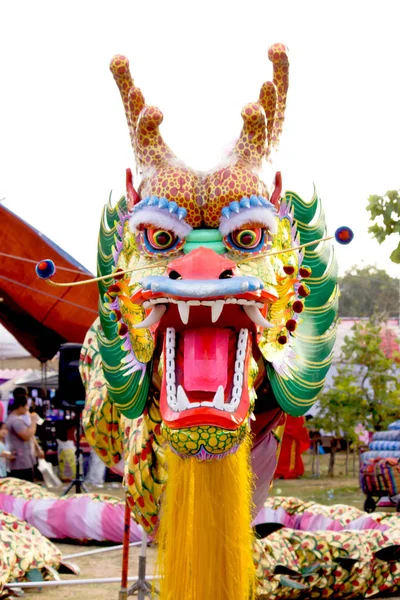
[41, 317]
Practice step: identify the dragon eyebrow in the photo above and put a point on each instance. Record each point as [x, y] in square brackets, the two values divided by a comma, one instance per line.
[160, 213]
[255, 209]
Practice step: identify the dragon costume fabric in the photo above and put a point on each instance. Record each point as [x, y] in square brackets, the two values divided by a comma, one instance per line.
[217, 314]
[25, 554]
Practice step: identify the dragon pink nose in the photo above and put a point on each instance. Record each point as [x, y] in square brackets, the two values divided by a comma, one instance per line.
[202, 263]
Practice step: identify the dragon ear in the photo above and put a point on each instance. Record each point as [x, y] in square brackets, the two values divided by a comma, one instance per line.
[131, 194]
[276, 194]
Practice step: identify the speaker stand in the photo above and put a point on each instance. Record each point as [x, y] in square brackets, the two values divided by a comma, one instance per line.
[78, 481]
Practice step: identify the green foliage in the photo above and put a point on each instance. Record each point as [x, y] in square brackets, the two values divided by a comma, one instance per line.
[385, 215]
[367, 291]
[378, 374]
[366, 388]
[341, 407]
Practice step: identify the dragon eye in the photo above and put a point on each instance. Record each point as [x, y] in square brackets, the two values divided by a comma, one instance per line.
[247, 239]
[161, 239]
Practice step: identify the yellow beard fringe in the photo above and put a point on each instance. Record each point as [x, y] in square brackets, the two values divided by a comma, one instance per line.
[205, 537]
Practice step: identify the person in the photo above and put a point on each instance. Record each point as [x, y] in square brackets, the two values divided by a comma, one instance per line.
[21, 437]
[97, 470]
[4, 453]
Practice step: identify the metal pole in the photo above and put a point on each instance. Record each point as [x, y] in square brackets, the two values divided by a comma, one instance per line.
[142, 565]
[99, 550]
[142, 587]
[43, 584]
[123, 593]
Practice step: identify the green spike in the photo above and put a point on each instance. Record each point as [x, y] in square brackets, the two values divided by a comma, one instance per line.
[128, 392]
[304, 211]
[315, 335]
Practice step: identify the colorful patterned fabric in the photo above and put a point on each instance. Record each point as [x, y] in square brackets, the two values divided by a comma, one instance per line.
[390, 436]
[113, 436]
[385, 445]
[356, 555]
[320, 551]
[82, 517]
[23, 550]
[348, 564]
[381, 475]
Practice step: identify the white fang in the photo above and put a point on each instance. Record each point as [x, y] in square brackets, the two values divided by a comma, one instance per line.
[216, 310]
[184, 311]
[254, 314]
[153, 317]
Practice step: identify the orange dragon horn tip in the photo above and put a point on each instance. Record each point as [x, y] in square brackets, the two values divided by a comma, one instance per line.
[151, 117]
[278, 52]
[253, 112]
[119, 65]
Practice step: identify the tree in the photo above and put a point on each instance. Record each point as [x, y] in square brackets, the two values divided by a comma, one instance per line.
[378, 374]
[367, 291]
[385, 215]
[365, 390]
[341, 409]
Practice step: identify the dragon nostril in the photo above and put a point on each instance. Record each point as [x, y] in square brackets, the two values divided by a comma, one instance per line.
[174, 275]
[227, 274]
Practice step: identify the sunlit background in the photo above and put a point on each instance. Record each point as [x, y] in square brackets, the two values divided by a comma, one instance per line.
[64, 142]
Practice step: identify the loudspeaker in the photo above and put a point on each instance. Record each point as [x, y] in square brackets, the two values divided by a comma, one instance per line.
[70, 386]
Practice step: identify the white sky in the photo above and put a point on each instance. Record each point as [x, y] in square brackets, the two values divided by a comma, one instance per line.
[64, 142]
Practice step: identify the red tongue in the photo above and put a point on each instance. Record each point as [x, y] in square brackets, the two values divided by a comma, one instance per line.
[205, 360]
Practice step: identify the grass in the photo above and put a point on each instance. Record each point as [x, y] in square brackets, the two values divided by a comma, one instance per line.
[340, 489]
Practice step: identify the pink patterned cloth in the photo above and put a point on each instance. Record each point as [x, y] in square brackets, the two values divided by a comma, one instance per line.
[81, 517]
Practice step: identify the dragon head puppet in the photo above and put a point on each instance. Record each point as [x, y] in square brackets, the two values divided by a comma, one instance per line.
[212, 311]
[218, 303]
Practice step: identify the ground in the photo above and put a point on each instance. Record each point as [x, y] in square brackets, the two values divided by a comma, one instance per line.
[325, 490]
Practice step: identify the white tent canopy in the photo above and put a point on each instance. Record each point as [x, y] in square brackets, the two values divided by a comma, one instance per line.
[30, 378]
[9, 347]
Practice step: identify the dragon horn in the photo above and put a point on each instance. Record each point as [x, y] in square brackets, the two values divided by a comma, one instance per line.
[143, 121]
[278, 55]
[263, 120]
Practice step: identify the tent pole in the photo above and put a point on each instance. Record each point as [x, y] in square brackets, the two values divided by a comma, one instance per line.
[59, 583]
[99, 550]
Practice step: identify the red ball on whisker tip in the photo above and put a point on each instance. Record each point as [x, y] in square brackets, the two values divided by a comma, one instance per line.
[344, 235]
[45, 269]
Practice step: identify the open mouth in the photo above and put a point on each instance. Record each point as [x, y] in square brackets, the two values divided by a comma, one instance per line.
[206, 347]
[205, 329]
[205, 370]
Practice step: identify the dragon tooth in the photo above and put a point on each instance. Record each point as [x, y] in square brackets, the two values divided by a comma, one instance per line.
[235, 400]
[216, 310]
[184, 311]
[219, 398]
[254, 314]
[238, 379]
[172, 402]
[153, 317]
[182, 399]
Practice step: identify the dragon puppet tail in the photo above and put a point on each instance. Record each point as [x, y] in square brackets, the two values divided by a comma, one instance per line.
[205, 537]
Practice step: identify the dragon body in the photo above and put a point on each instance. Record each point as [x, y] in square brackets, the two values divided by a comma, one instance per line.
[213, 324]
